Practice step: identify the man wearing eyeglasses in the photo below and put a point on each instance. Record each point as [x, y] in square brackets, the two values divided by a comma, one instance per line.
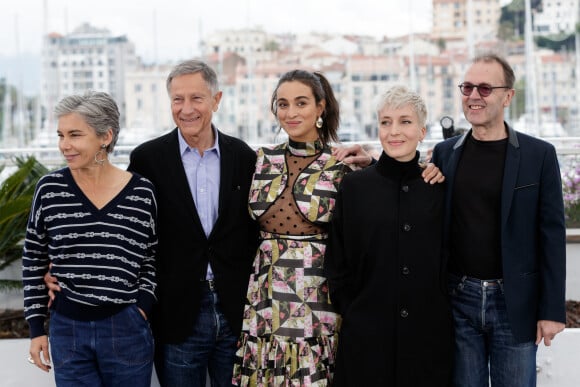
[505, 236]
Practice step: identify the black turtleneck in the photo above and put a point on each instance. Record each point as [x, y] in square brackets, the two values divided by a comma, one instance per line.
[398, 170]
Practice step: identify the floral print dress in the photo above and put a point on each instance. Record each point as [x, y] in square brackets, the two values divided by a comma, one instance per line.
[289, 333]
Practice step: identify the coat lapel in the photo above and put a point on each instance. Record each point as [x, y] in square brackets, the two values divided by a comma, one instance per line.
[510, 174]
[451, 167]
[449, 170]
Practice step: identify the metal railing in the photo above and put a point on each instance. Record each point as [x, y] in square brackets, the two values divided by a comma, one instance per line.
[566, 147]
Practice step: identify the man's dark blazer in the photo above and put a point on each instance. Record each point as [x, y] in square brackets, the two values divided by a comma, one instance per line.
[184, 250]
[533, 231]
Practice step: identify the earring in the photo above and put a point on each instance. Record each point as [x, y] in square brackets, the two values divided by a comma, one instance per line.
[102, 154]
[319, 122]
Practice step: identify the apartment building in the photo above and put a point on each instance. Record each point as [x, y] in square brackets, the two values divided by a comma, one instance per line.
[87, 58]
[475, 20]
[357, 69]
[147, 105]
[557, 93]
[557, 16]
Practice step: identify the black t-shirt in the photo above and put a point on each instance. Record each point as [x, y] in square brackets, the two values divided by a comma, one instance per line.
[476, 216]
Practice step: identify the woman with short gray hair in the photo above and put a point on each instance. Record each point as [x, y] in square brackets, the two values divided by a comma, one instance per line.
[93, 225]
[385, 268]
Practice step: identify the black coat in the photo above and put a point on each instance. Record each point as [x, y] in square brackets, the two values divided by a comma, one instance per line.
[387, 278]
[184, 251]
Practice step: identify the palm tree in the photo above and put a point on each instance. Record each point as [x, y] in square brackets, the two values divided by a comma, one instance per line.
[15, 199]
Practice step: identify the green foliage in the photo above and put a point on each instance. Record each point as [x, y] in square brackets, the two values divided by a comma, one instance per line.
[571, 192]
[512, 19]
[506, 31]
[557, 42]
[518, 105]
[573, 216]
[15, 199]
[271, 45]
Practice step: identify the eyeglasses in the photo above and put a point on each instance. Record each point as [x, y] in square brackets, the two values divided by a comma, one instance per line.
[484, 89]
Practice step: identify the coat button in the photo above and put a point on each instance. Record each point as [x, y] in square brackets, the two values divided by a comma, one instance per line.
[405, 270]
[406, 227]
[404, 313]
[405, 188]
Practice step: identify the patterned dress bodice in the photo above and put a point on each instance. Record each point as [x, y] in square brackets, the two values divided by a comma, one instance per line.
[294, 188]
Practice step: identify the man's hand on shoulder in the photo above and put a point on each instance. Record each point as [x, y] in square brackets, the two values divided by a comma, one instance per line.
[432, 175]
[353, 154]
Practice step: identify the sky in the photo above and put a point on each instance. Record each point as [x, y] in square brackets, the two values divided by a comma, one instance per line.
[170, 30]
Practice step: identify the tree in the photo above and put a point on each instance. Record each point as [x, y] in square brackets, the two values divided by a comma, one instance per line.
[15, 199]
[557, 42]
[271, 45]
[512, 18]
[506, 31]
[3, 89]
[518, 105]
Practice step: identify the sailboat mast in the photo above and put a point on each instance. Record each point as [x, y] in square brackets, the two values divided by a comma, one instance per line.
[470, 40]
[532, 114]
[21, 126]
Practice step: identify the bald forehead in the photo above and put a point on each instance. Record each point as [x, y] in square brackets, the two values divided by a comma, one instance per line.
[485, 72]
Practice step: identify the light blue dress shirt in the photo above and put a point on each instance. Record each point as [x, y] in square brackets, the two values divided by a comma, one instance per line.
[203, 177]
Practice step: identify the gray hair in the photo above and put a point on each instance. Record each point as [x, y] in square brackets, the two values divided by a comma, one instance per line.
[399, 96]
[98, 109]
[193, 67]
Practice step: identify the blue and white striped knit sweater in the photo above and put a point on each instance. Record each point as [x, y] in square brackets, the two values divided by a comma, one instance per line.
[103, 259]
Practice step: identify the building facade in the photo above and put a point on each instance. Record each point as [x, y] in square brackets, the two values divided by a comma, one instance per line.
[556, 17]
[358, 68]
[87, 58]
[475, 20]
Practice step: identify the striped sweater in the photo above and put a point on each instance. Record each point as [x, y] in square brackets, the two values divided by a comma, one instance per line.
[103, 258]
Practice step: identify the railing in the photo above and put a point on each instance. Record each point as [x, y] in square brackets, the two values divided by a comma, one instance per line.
[51, 157]
[566, 147]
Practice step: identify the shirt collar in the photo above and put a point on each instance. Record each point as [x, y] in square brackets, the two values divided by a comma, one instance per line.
[183, 146]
